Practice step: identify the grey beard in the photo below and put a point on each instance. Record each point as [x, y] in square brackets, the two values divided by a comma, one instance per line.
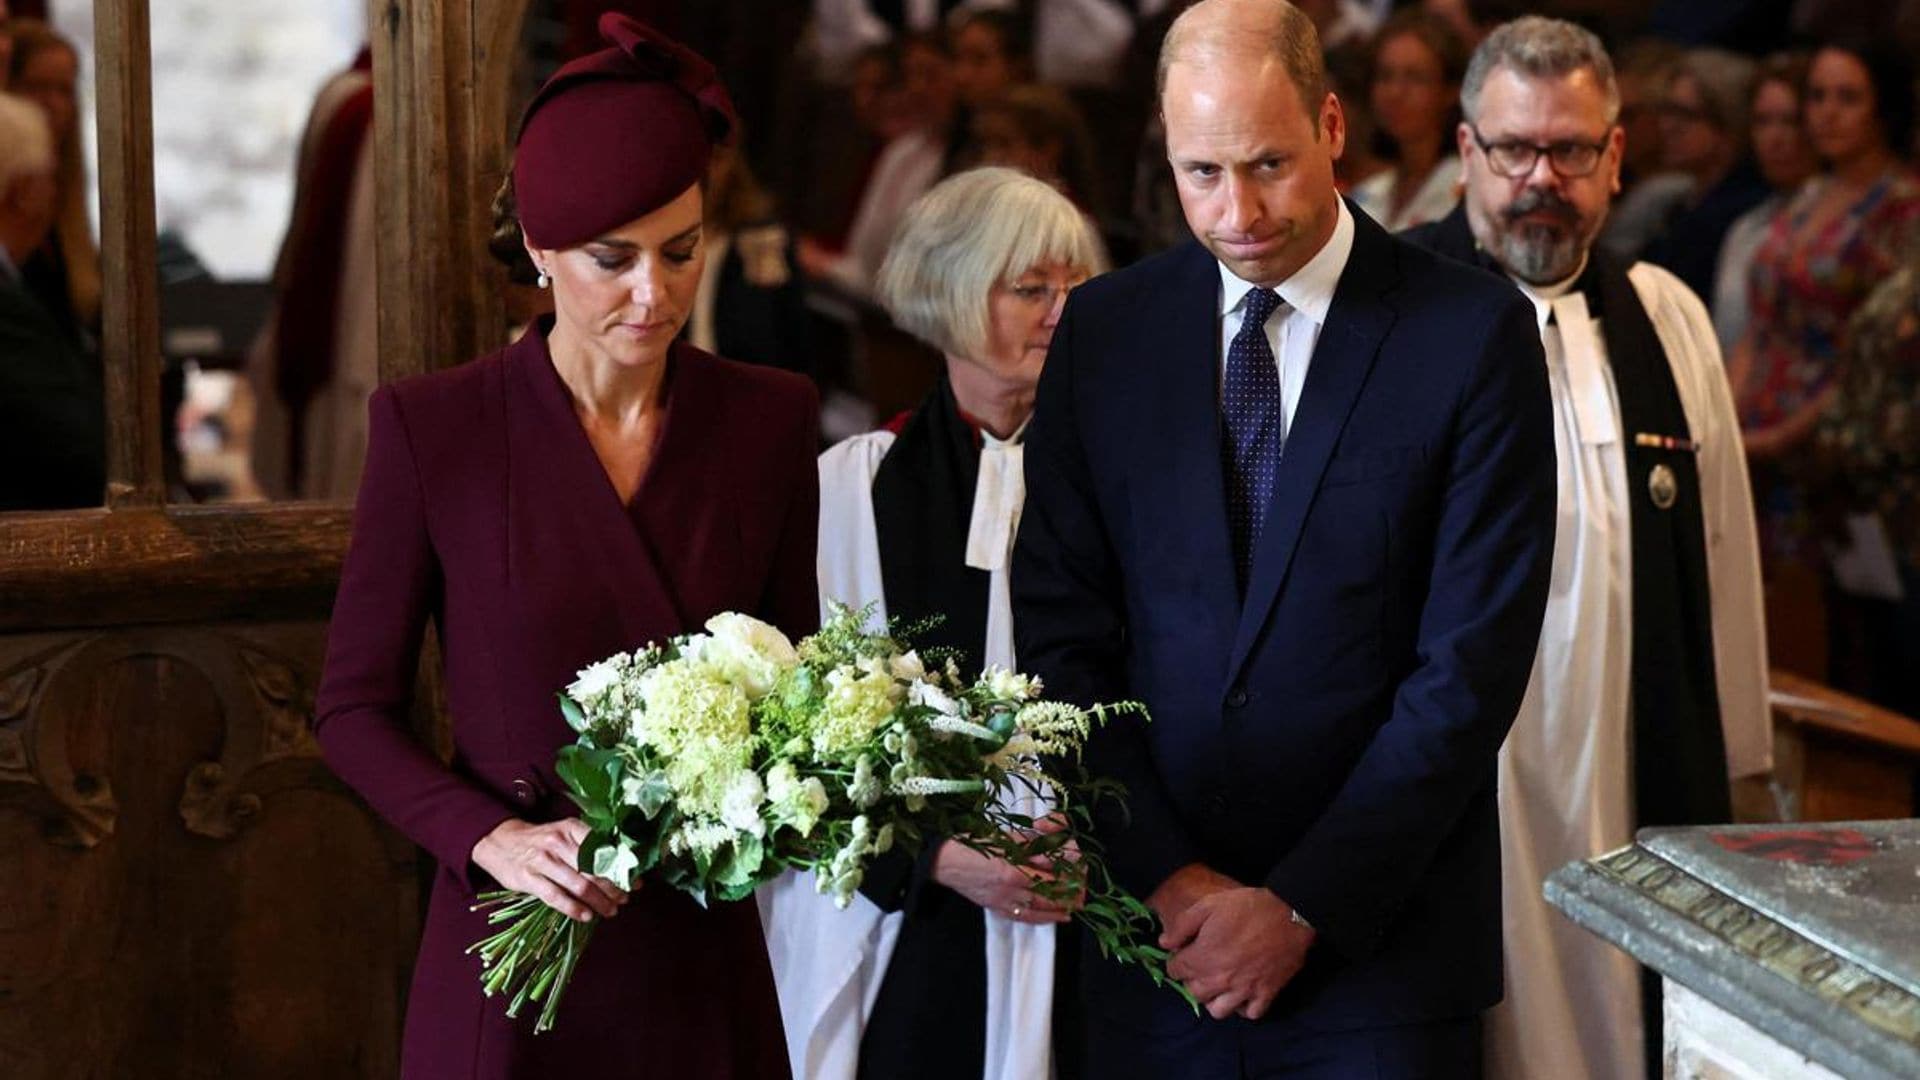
[1539, 256]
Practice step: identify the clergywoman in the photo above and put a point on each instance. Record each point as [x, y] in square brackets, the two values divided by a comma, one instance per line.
[946, 966]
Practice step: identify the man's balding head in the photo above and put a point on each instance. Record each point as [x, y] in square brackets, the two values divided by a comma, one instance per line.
[1216, 30]
[1252, 134]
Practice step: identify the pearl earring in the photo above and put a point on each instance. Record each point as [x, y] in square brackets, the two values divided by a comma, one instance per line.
[543, 280]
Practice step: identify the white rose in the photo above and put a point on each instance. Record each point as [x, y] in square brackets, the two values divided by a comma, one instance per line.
[907, 666]
[593, 680]
[749, 653]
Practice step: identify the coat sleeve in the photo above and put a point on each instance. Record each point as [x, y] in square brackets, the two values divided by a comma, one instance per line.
[1350, 873]
[1070, 625]
[389, 587]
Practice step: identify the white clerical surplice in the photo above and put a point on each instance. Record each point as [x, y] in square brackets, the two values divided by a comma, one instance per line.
[1572, 1005]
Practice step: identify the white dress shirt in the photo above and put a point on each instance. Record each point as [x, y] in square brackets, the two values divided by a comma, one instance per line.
[1294, 327]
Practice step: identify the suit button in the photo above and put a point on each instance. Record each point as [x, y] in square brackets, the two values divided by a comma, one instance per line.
[523, 792]
[1238, 698]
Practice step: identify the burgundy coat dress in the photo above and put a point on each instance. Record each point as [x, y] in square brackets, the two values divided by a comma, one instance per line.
[484, 508]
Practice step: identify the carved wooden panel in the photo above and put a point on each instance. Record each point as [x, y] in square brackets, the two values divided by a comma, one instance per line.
[185, 889]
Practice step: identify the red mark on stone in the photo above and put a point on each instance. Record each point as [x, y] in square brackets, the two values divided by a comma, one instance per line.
[1812, 847]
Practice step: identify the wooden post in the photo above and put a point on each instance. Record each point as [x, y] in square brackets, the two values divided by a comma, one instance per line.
[129, 303]
[442, 69]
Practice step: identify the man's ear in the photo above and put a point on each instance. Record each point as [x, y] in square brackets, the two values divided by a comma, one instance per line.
[1616, 153]
[1333, 123]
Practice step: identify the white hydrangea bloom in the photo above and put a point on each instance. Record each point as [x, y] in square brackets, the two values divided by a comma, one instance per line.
[858, 704]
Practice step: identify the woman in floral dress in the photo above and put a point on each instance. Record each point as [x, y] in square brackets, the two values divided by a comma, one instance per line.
[1843, 233]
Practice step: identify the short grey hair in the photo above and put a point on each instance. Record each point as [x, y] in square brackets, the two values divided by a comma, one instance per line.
[1725, 83]
[968, 233]
[1540, 48]
[26, 140]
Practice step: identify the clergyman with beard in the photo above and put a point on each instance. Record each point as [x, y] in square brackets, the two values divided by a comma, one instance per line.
[1649, 686]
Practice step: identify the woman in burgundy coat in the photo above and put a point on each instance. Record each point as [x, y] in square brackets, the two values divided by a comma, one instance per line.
[592, 487]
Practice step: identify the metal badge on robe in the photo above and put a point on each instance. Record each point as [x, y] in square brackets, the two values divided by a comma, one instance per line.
[1662, 485]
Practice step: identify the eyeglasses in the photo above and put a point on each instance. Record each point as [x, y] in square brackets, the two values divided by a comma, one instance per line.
[1031, 292]
[1515, 158]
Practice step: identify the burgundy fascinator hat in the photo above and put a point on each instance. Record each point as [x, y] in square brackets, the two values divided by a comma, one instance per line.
[616, 134]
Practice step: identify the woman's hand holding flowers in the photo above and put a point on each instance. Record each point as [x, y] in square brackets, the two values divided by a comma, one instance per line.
[540, 860]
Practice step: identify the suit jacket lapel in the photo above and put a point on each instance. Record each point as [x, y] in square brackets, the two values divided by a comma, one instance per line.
[1180, 460]
[1342, 359]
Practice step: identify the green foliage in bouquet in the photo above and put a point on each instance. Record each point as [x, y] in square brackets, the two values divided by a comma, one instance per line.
[718, 761]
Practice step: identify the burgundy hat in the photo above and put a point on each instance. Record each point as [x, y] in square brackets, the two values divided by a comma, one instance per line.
[616, 135]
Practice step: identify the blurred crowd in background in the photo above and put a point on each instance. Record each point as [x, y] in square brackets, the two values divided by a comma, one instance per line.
[1769, 164]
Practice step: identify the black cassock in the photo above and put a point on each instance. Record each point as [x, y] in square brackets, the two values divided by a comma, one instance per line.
[929, 1020]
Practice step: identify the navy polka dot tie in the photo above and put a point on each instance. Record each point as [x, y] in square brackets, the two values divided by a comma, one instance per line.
[1250, 405]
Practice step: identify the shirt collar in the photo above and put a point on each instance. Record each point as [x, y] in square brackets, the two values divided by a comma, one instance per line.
[1310, 289]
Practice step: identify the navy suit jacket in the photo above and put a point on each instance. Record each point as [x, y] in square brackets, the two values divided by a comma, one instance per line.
[1334, 735]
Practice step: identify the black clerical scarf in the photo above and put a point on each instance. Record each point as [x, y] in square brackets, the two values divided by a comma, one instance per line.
[922, 509]
[929, 1018]
[1679, 751]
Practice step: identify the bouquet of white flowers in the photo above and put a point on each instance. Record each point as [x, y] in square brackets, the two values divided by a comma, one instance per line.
[717, 761]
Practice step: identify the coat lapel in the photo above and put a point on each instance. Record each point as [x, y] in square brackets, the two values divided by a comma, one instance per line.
[1342, 359]
[1181, 463]
[687, 513]
[562, 497]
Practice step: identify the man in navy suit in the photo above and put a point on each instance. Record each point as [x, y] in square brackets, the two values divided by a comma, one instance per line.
[1292, 486]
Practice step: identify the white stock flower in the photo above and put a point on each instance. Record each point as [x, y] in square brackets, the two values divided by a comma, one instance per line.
[864, 789]
[1007, 685]
[740, 804]
[925, 693]
[795, 801]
